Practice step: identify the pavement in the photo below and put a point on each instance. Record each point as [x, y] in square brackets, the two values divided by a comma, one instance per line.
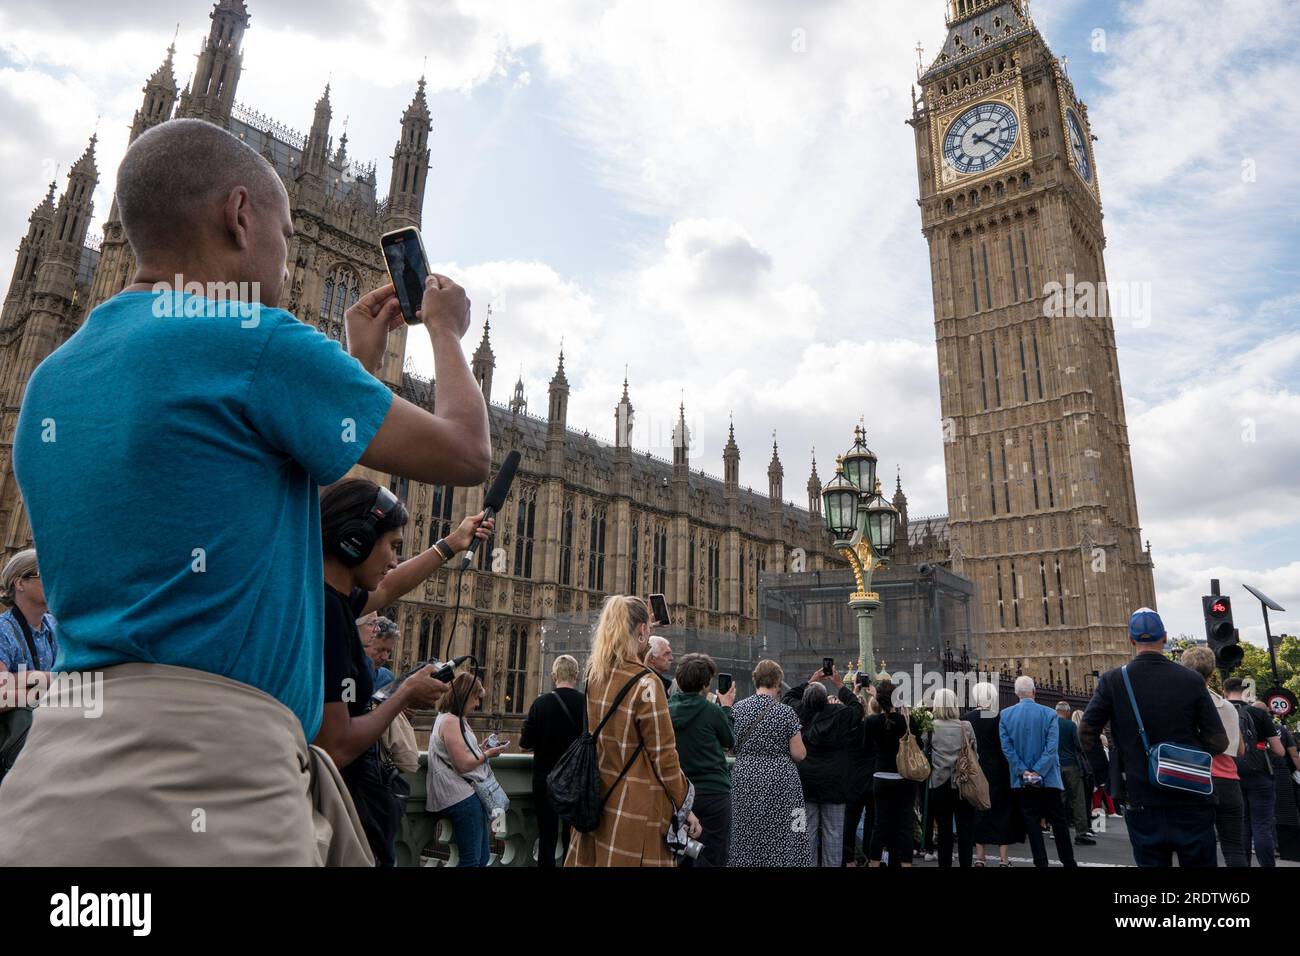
[1112, 850]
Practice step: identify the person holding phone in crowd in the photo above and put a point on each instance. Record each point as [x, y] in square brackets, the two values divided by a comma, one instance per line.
[455, 759]
[213, 652]
[361, 534]
[705, 732]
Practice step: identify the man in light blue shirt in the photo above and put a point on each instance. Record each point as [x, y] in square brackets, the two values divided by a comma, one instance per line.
[1030, 734]
[169, 454]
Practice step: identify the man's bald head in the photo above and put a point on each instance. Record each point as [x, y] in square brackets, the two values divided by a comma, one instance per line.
[189, 190]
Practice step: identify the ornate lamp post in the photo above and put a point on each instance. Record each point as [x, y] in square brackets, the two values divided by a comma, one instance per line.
[863, 525]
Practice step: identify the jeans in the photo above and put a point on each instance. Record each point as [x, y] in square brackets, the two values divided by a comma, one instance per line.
[548, 826]
[1157, 833]
[1260, 797]
[1230, 821]
[854, 811]
[469, 823]
[1072, 777]
[713, 810]
[945, 804]
[1038, 804]
[892, 829]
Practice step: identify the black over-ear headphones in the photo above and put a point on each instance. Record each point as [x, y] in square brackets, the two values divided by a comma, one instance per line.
[358, 535]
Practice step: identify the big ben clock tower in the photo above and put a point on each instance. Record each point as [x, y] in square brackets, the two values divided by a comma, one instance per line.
[1042, 512]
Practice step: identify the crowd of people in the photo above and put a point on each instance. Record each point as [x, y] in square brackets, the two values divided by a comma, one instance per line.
[824, 774]
[243, 610]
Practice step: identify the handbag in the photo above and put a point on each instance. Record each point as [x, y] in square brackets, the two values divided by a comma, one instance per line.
[972, 785]
[1172, 766]
[486, 786]
[14, 725]
[912, 764]
[573, 786]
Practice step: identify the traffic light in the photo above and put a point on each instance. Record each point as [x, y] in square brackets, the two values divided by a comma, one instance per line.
[1220, 631]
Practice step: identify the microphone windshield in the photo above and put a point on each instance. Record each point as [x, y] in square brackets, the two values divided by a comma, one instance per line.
[496, 496]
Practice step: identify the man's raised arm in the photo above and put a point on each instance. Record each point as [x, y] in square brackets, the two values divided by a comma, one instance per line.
[454, 446]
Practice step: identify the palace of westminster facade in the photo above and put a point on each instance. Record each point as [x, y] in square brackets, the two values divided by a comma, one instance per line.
[586, 518]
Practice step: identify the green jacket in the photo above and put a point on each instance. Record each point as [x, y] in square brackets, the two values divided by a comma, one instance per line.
[704, 732]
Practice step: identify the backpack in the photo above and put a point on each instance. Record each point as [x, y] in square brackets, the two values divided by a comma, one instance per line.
[1254, 760]
[573, 787]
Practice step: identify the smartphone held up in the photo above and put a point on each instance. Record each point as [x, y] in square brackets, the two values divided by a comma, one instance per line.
[408, 267]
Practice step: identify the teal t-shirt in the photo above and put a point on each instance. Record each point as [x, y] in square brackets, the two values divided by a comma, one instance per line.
[169, 459]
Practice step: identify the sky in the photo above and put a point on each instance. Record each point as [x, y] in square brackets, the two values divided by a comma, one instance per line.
[720, 199]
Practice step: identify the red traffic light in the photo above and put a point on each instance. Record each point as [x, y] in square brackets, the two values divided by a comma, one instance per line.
[1219, 608]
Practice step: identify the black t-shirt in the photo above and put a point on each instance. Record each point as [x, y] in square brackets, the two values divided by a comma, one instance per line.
[1258, 764]
[882, 734]
[347, 679]
[548, 731]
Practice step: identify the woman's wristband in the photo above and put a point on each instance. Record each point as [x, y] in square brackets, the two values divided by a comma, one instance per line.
[444, 549]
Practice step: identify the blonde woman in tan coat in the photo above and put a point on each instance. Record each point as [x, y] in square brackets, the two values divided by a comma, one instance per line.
[639, 736]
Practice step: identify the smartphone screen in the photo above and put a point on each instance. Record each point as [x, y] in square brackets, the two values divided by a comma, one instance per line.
[408, 267]
[828, 665]
[724, 683]
[659, 608]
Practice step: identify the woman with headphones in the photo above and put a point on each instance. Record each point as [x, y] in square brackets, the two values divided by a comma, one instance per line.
[361, 530]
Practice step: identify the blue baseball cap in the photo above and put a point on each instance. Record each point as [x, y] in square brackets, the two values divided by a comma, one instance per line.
[1145, 626]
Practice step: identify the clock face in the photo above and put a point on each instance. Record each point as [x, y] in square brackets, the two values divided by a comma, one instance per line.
[1078, 145]
[980, 138]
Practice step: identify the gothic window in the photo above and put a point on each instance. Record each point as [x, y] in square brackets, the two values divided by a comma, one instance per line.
[1024, 368]
[566, 544]
[480, 648]
[1002, 614]
[1047, 467]
[715, 575]
[516, 669]
[632, 561]
[596, 551]
[341, 293]
[690, 574]
[1060, 592]
[984, 388]
[1033, 471]
[659, 570]
[1011, 252]
[440, 514]
[430, 636]
[997, 377]
[1024, 254]
[1038, 366]
[1042, 576]
[1015, 595]
[743, 562]
[1006, 480]
[993, 491]
[974, 283]
[525, 517]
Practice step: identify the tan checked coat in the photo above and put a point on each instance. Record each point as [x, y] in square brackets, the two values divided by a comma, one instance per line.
[635, 818]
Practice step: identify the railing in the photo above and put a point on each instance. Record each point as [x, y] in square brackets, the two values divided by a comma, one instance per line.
[423, 840]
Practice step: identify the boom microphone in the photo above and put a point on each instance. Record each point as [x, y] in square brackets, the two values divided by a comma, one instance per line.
[496, 497]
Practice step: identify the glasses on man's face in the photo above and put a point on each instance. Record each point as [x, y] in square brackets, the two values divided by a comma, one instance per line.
[32, 574]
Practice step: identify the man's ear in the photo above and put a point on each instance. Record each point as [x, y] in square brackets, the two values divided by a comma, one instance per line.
[238, 216]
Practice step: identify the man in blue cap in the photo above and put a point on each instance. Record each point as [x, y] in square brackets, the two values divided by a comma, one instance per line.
[1175, 708]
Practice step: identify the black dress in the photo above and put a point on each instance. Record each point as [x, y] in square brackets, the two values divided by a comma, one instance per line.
[999, 825]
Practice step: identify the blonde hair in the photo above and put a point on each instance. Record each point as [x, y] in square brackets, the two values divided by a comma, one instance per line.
[565, 668]
[873, 706]
[614, 640]
[945, 704]
[1077, 717]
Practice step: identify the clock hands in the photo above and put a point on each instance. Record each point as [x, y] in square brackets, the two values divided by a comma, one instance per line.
[983, 137]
